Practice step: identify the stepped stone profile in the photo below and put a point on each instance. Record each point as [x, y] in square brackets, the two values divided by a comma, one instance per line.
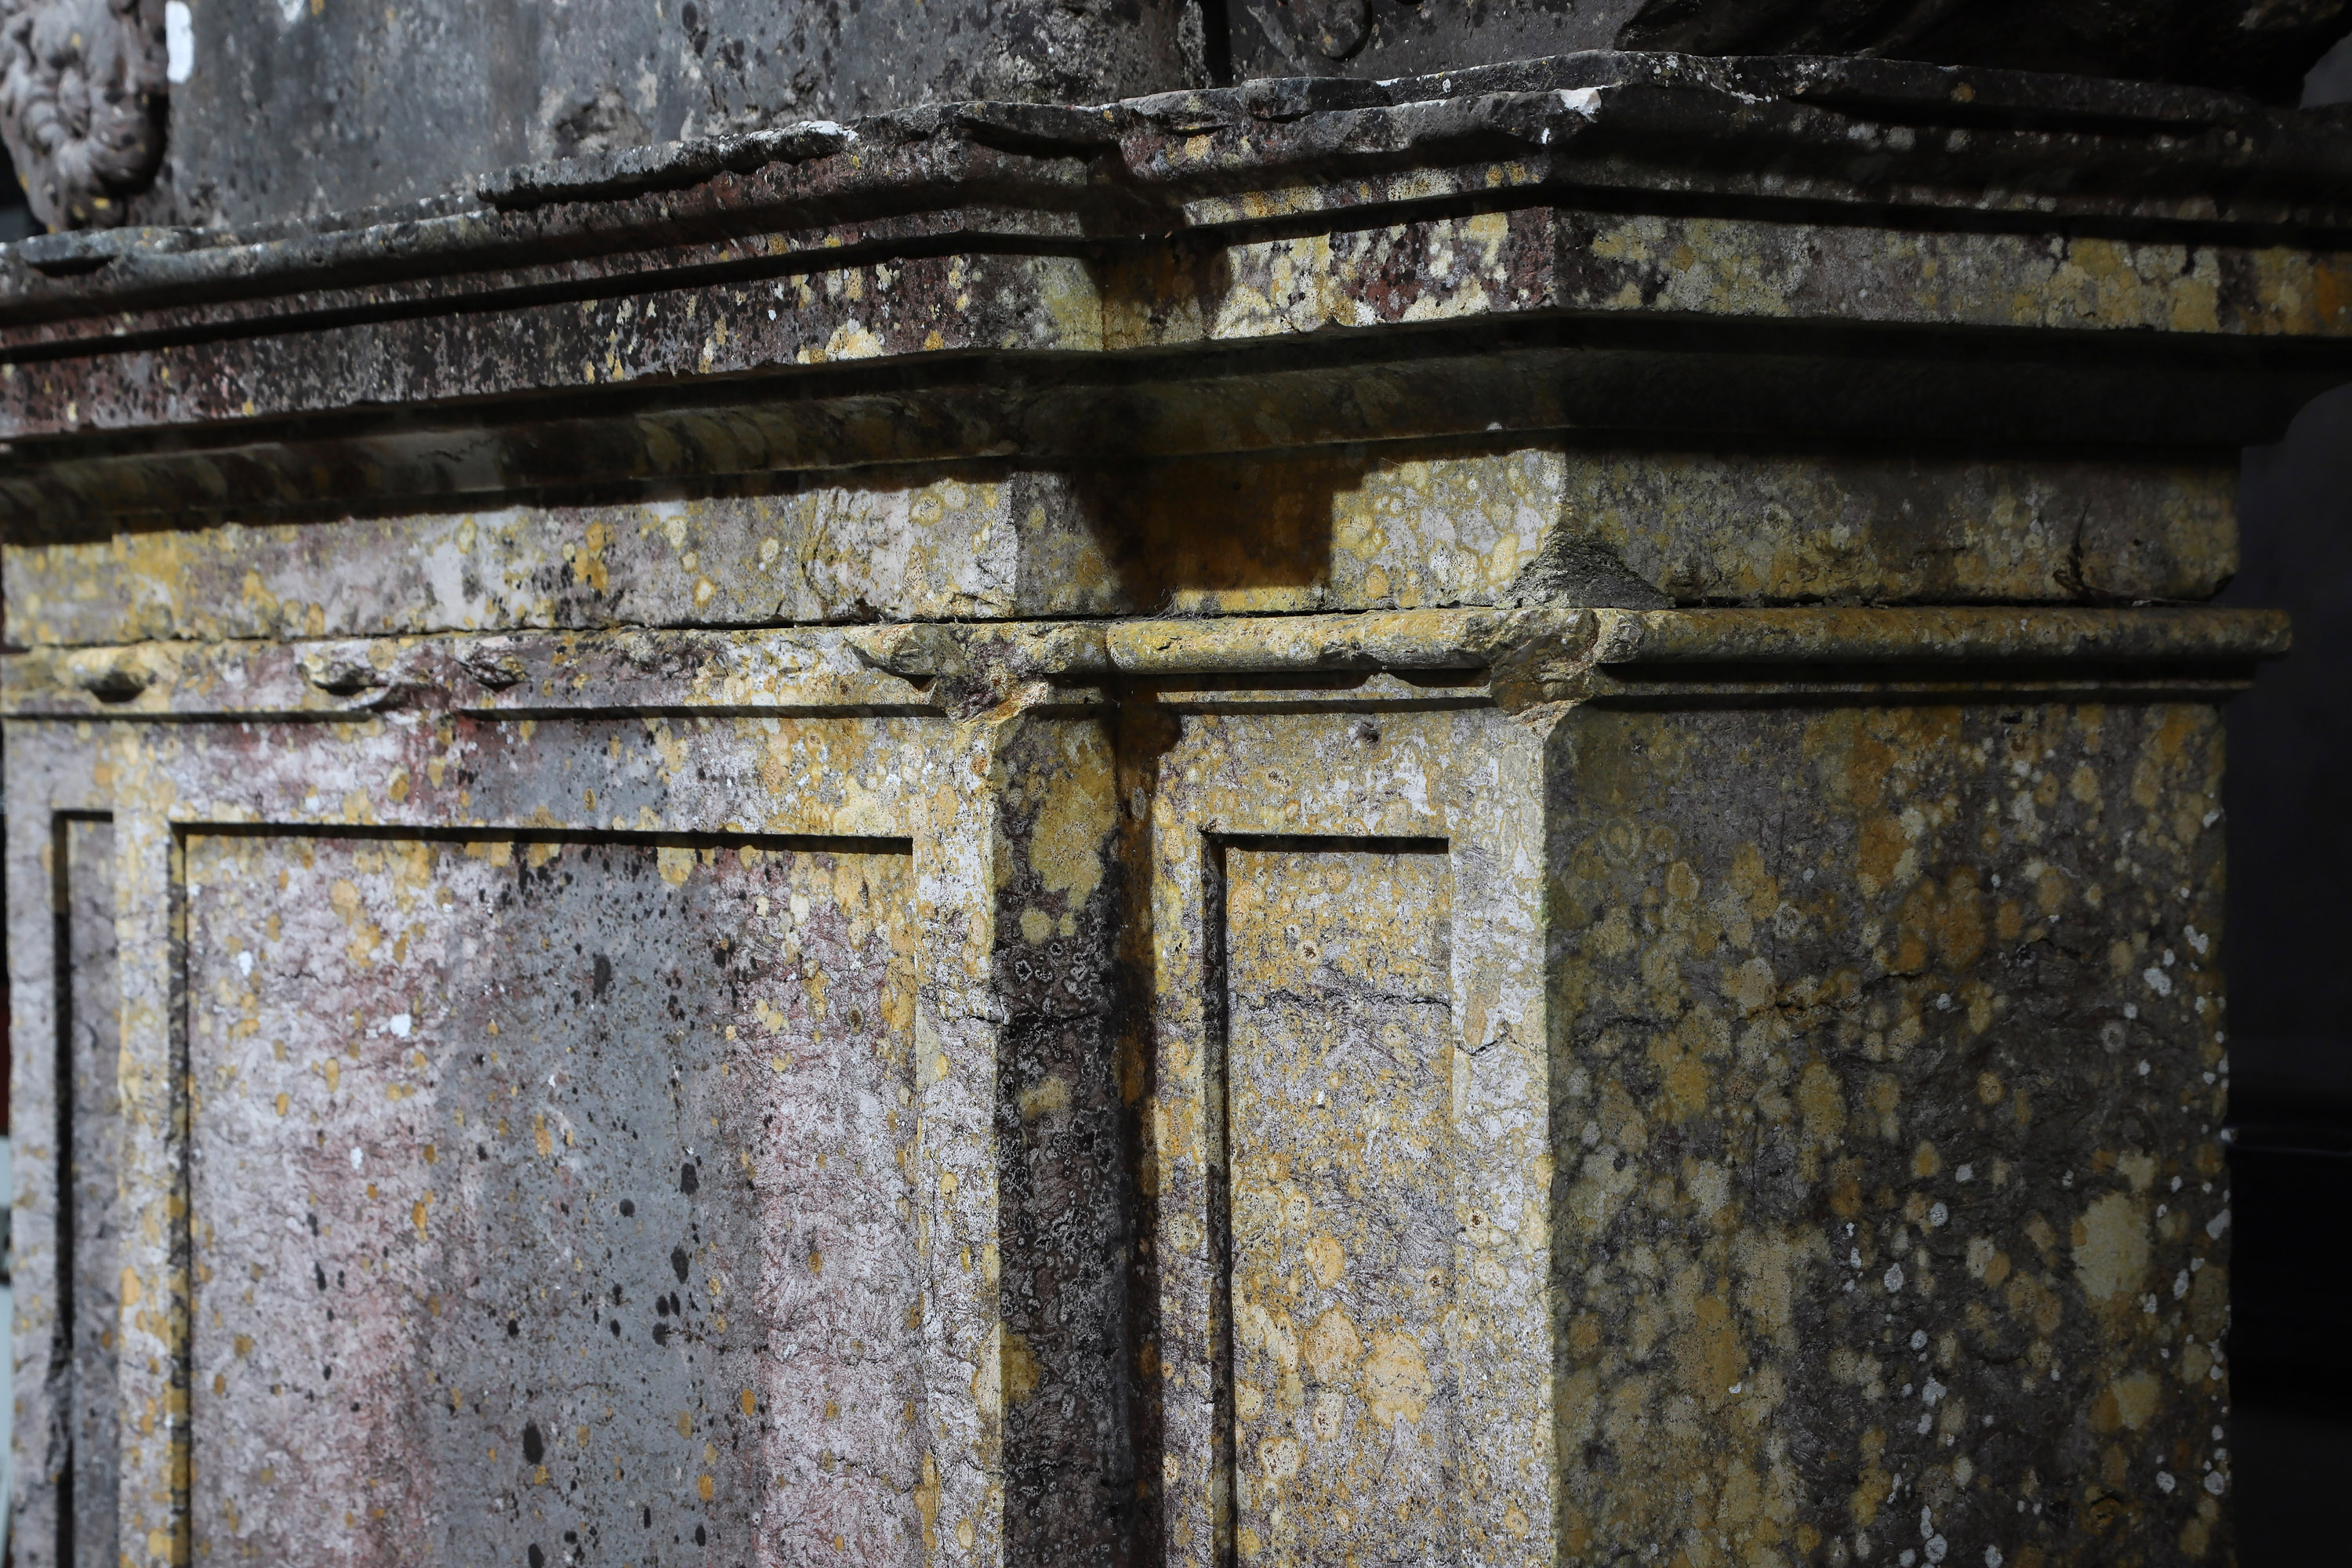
[1461, 818]
[302, 108]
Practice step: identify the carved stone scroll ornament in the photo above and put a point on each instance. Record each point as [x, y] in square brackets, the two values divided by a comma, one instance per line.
[82, 106]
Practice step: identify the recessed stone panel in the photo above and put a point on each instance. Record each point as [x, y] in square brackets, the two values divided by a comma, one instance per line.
[86, 1449]
[551, 1201]
[1339, 1045]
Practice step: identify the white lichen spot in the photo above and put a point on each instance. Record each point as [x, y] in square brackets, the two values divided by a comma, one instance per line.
[179, 42]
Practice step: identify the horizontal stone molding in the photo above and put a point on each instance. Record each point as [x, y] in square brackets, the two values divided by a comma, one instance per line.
[1520, 655]
[1878, 133]
[1752, 381]
[1779, 249]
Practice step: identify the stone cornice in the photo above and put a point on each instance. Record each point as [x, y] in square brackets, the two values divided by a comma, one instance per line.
[1766, 249]
[1989, 149]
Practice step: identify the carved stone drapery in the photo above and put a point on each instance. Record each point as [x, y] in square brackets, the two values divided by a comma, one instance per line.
[81, 105]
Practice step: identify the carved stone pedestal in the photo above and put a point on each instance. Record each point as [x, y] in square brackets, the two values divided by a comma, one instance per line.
[1470, 820]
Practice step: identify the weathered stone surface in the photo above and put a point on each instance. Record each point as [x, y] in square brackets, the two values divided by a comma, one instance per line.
[2261, 50]
[1246, 846]
[2264, 50]
[1858, 258]
[1857, 1115]
[1367, 529]
[291, 111]
[628, 1303]
[83, 1431]
[1339, 1027]
[281, 111]
[393, 823]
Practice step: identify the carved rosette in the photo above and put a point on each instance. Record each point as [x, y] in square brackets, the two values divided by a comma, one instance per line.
[82, 106]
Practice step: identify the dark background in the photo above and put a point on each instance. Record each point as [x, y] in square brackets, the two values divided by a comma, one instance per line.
[2289, 945]
[2289, 950]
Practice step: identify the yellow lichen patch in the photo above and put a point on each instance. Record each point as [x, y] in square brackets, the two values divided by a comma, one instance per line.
[926, 1502]
[343, 898]
[1876, 1486]
[1019, 1368]
[1683, 1076]
[2128, 1401]
[1396, 1378]
[1068, 844]
[1821, 1098]
[1049, 1095]
[1716, 1357]
[2111, 1247]
[1331, 1346]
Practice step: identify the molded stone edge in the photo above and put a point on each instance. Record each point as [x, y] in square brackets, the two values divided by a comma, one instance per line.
[1534, 653]
[1870, 132]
